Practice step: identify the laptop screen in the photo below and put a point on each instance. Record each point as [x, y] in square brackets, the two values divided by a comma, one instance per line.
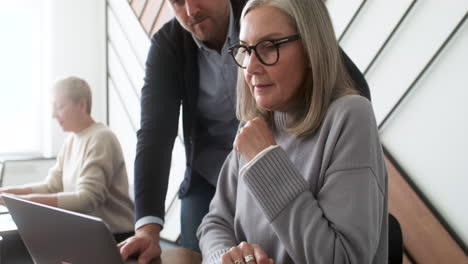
[54, 235]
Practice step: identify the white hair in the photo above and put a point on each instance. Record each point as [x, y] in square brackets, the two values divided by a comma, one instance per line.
[75, 89]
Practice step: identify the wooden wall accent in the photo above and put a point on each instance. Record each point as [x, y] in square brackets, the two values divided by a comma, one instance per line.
[406, 260]
[165, 14]
[138, 6]
[425, 239]
[149, 15]
[152, 14]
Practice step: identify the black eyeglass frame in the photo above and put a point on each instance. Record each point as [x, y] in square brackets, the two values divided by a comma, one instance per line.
[276, 42]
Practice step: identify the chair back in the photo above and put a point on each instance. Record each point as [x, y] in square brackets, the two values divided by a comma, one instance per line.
[395, 244]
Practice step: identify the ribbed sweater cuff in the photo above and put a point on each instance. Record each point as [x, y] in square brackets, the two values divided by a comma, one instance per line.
[215, 258]
[274, 182]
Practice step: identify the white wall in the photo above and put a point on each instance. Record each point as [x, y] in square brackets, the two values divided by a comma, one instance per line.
[408, 44]
[428, 133]
[128, 46]
[19, 76]
[73, 43]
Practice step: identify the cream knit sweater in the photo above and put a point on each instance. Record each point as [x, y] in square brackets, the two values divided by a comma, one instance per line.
[90, 177]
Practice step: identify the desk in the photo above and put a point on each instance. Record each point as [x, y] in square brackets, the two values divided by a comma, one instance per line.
[13, 249]
[179, 256]
[15, 252]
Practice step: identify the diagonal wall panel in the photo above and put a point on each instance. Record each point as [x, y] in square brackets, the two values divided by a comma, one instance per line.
[124, 53]
[430, 118]
[119, 123]
[410, 50]
[425, 238]
[132, 29]
[342, 13]
[371, 28]
[150, 14]
[124, 88]
[128, 45]
[165, 15]
[138, 6]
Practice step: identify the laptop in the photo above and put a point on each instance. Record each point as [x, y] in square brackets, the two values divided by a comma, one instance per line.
[58, 236]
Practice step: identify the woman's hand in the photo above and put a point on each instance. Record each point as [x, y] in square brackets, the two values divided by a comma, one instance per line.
[254, 137]
[246, 253]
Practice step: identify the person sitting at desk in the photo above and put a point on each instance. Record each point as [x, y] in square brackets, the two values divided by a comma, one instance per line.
[306, 182]
[90, 175]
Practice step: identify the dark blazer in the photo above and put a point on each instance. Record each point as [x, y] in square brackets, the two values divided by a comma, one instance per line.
[171, 80]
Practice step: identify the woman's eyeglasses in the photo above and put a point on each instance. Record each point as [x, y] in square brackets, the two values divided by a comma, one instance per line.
[267, 51]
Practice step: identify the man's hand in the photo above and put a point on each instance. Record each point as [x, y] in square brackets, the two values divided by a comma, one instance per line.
[254, 137]
[144, 244]
[246, 253]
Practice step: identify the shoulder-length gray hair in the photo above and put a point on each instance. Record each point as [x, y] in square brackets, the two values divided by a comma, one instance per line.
[327, 79]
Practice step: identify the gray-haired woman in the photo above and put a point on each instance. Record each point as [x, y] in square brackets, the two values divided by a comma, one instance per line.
[307, 181]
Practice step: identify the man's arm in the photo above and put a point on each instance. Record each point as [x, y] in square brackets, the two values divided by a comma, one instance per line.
[160, 105]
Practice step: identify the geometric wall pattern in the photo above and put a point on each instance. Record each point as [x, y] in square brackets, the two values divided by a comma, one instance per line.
[128, 44]
[414, 55]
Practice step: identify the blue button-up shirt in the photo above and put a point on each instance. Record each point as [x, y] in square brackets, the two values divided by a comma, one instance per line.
[216, 105]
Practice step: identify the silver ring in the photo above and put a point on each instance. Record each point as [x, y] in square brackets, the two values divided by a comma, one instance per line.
[239, 261]
[249, 258]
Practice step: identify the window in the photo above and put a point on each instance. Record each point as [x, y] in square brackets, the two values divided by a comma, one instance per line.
[20, 112]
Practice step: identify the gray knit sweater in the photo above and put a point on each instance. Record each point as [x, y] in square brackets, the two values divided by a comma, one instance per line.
[321, 199]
